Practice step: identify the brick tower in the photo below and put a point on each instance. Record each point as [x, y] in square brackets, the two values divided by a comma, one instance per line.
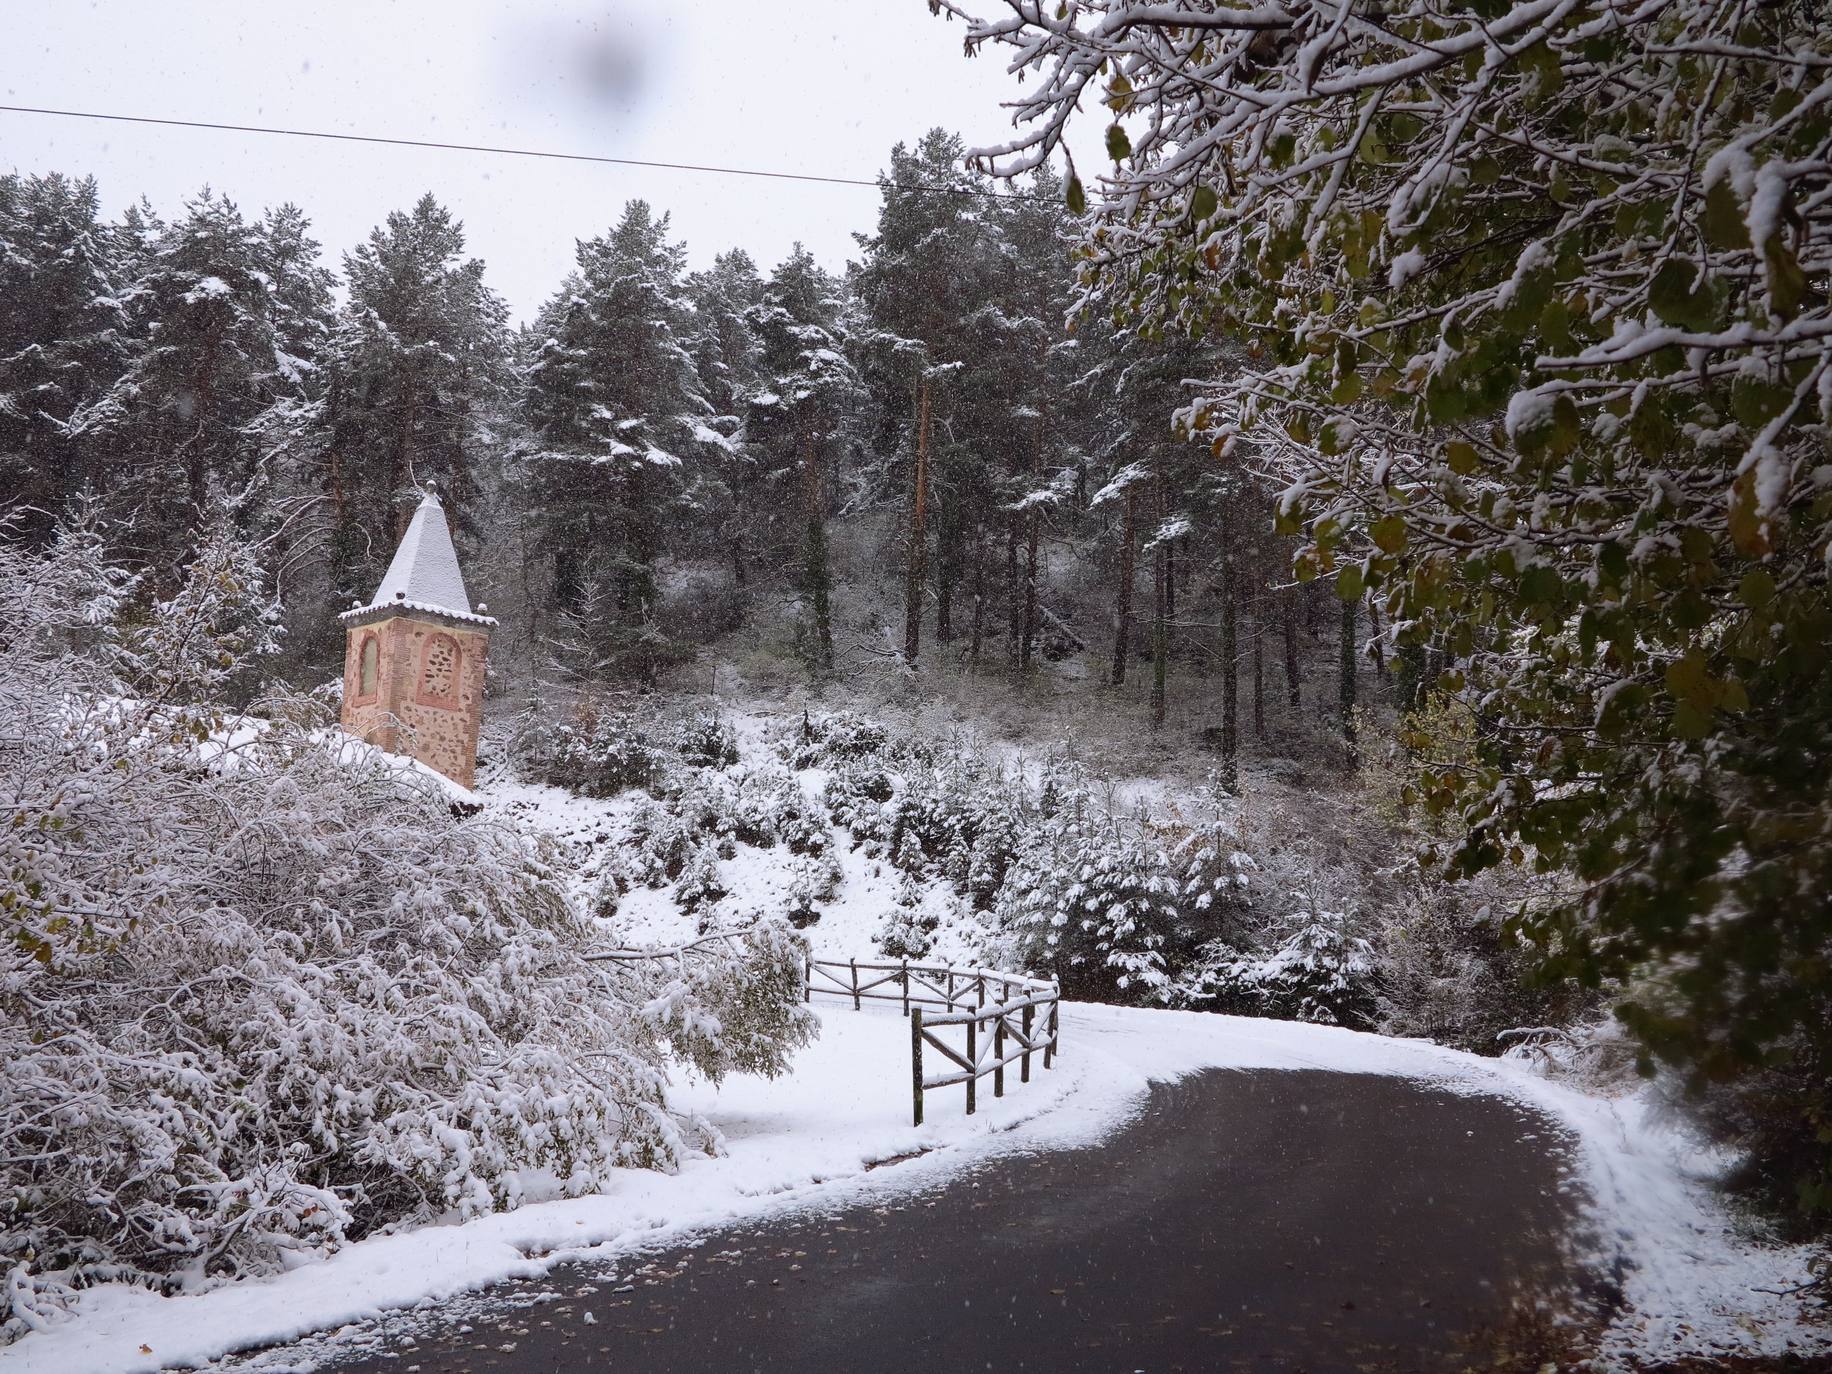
[414, 656]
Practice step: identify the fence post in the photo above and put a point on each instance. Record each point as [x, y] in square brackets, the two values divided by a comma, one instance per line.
[950, 985]
[855, 984]
[1049, 1048]
[998, 1055]
[979, 983]
[916, 1061]
[906, 987]
[808, 978]
[1024, 1063]
[973, 1062]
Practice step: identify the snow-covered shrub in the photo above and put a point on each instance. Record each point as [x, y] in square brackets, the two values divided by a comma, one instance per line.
[1318, 970]
[704, 740]
[909, 927]
[700, 884]
[824, 741]
[813, 878]
[600, 750]
[768, 806]
[1448, 972]
[260, 993]
[661, 842]
[1093, 898]
[708, 807]
[733, 1004]
[856, 793]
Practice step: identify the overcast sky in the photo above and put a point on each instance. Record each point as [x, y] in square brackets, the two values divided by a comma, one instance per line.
[823, 86]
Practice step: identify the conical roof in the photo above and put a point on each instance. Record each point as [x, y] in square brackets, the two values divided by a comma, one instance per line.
[424, 575]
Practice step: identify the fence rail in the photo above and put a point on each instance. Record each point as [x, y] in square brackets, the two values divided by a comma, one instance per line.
[1019, 1014]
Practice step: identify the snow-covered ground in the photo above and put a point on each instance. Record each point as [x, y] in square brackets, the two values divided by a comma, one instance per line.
[823, 1136]
[818, 1137]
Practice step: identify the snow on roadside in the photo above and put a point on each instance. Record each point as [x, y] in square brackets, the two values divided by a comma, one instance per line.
[814, 1139]
[1694, 1283]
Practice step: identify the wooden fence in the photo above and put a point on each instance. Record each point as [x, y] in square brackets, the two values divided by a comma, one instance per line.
[1006, 1018]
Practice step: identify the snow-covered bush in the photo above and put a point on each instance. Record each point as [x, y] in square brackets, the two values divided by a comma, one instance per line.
[601, 750]
[1092, 898]
[704, 740]
[824, 741]
[856, 793]
[700, 884]
[909, 927]
[1318, 970]
[733, 1003]
[661, 842]
[813, 878]
[260, 993]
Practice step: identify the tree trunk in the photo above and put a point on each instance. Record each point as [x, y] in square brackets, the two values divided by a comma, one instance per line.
[817, 574]
[1259, 663]
[1160, 617]
[917, 564]
[1033, 519]
[979, 594]
[1288, 622]
[1348, 680]
[1122, 599]
[1014, 597]
[1230, 676]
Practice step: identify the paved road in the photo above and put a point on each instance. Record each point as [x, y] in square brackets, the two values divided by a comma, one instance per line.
[1289, 1221]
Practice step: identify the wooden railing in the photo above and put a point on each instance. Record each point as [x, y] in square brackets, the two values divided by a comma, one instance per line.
[1006, 1017]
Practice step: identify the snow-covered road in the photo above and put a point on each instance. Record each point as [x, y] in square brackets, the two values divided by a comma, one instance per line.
[813, 1138]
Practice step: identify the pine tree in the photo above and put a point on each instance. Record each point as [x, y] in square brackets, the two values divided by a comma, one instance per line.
[65, 340]
[186, 421]
[801, 417]
[619, 426]
[417, 374]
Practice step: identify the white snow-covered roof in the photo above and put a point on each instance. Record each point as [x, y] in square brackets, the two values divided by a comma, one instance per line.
[424, 575]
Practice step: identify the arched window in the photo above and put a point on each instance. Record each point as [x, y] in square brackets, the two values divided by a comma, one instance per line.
[440, 662]
[368, 666]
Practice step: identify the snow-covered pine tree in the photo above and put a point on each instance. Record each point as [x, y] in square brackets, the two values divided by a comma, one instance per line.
[185, 422]
[620, 436]
[801, 417]
[1092, 898]
[64, 340]
[418, 374]
[725, 358]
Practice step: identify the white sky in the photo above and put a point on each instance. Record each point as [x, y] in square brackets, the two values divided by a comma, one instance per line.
[824, 86]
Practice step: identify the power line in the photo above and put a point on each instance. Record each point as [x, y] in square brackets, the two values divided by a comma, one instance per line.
[515, 152]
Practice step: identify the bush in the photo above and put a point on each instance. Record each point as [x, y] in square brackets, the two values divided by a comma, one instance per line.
[704, 740]
[601, 751]
[260, 992]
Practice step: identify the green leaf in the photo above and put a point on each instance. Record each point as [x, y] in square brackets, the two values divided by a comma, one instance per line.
[1348, 582]
[1787, 283]
[1677, 300]
[1119, 147]
[1691, 721]
[1724, 224]
[1757, 589]
[1461, 457]
[1688, 680]
[1202, 203]
[1389, 533]
[1078, 198]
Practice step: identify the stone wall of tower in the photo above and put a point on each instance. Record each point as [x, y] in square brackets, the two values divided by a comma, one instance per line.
[404, 716]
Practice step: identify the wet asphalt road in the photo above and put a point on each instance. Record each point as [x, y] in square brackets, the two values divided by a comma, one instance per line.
[1290, 1221]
